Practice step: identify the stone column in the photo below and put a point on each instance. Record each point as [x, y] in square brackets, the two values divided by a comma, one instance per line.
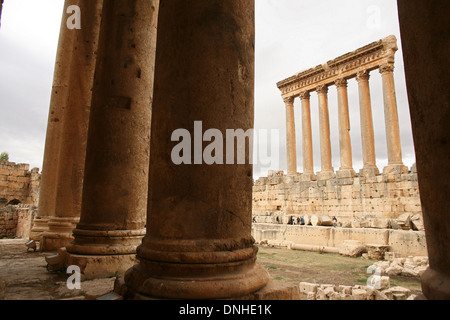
[327, 171]
[425, 33]
[394, 147]
[198, 243]
[1, 5]
[113, 209]
[367, 133]
[291, 147]
[307, 144]
[58, 100]
[74, 130]
[346, 169]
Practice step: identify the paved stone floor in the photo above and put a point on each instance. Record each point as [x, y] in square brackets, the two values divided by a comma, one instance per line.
[24, 276]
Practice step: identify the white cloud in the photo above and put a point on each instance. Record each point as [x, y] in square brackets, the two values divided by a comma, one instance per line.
[291, 36]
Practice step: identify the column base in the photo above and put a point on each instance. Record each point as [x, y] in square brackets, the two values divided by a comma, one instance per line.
[103, 253]
[219, 286]
[59, 233]
[195, 269]
[309, 176]
[435, 285]
[100, 266]
[274, 290]
[369, 172]
[395, 168]
[345, 173]
[51, 241]
[40, 225]
[325, 175]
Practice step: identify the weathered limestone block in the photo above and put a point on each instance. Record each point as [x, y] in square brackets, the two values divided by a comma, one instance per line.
[359, 294]
[344, 289]
[399, 293]
[307, 219]
[417, 222]
[328, 291]
[306, 287]
[320, 294]
[321, 220]
[311, 296]
[379, 295]
[355, 223]
[352, 248]
[376, 251]
[379, 223]
[408, 242]
[404, 221]
[394, 270]
[393, 224]
[384, 283]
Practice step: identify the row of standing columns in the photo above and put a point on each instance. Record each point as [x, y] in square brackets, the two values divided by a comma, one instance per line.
[177, 231]
[346, 170]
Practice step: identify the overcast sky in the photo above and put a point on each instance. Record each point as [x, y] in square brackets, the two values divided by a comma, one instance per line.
[291, 36]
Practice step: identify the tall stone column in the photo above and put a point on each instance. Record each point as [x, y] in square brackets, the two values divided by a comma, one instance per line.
[307, 144]
[291, 146]
[394, 147]
[327, 171]
[114, 198]
[367, 133]
[198, 243]
[346, 169]
[58, 100]
[425, 39]
[74, 130]
[1, 5]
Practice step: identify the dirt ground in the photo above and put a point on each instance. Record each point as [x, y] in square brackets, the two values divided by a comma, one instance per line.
[323, 268]
[24, 275]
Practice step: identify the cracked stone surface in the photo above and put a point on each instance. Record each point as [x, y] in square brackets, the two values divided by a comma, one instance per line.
[24, 276]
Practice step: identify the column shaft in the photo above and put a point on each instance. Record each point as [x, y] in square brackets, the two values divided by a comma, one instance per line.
[424, 26]
[58, 100]
[74, 130]
[346, 169]
[307, 144]
[393, 140]
[327, 170]
[367, 132]
[114, 196]
[291, 147]
[198, 243]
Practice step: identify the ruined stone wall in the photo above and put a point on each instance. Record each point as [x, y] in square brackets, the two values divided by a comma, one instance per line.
[376, 201]
[402, 242]
[16, 221]
[384, 210]
[18, 183]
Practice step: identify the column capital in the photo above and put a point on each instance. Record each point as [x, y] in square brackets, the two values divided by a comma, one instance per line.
[322, 88]
[387, 67]
[340, 83]
[289, 100]
[305, 95]
[362, 75]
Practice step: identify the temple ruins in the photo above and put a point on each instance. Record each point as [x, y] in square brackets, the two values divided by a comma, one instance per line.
[372, 206]
[112, 201]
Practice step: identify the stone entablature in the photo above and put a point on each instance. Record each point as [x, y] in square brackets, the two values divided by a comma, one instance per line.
[358, 64]
[18, 184]
[347, 66]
